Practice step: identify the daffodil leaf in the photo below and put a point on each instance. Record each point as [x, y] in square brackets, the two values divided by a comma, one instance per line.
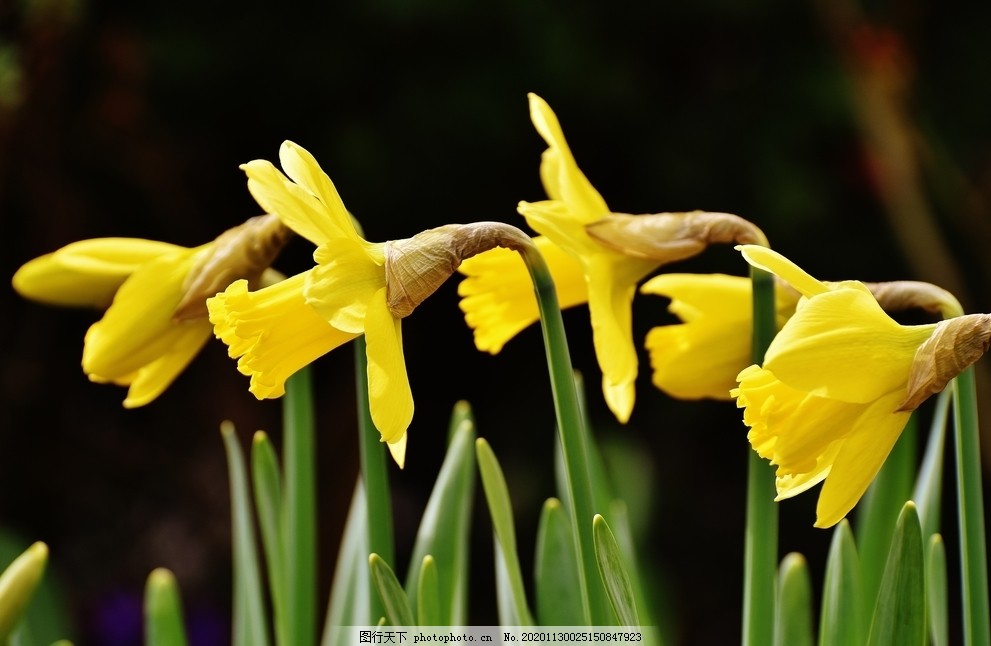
[620, 524]
[900, 613]
[613, 572]
[793, 611]
[349, 592]
[163, 611]
[501, 512]
[46, 618]
[445, 525]
[428, 608]
[841, 620]
[929, 483]
[268, 505]
[936, 591]
[878, 511]
[556, 569]
[462, 412]
[250, 622]
[18, 584]
[397, 608]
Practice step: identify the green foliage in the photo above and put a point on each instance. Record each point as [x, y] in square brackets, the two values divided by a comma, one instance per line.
[793, 611]
[900, 612]
[613, 572]
[842, 618]
[163, 611]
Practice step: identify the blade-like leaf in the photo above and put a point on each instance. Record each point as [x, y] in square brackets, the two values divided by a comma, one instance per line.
[268, 504]
[793, 607]
[445, 525]
[394, 599]
[350, 589]
[501, 512]
[900, 613]
[250, 624]
[929, 483]
[428, 609]
[47, 618]
[613, 573]
[163, 611]
[841, 620]
[18, 583]
[556, 569]
[937, 592]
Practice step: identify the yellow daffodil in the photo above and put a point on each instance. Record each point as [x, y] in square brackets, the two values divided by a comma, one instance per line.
[277, 330]
[498, 295]
[827, 402]
[700, 357]
[137, 343]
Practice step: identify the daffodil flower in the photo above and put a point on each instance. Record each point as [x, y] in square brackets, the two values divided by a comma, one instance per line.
[137, 343]
[827, 403]
[281, 328]
[498, 298]
[701, 357]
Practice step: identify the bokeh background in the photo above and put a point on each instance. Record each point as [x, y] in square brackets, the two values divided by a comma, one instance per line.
[856, 135]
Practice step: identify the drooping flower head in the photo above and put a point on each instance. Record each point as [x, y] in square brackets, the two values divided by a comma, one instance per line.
[829, 400]
[155, 321]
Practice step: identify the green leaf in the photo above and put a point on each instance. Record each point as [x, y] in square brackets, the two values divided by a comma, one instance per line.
[460, 415]
[501, 512]
[613, 573]
[937, 592]
[428, 609]
[841, 620]
[268, 504]
[929, 483]
[394, 599]
[46, 619]
[163, 611]
[556, 569]
[299, 559]
[250, 623]
[620, 524]
[349, 593]
[900, 613]
[446, 523]
[879, 510]
[18, 584]
[793, 610]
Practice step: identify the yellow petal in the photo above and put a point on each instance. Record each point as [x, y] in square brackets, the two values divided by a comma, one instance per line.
[698, 360]
[791, 485]
[303, 169]
[561, 176]
[610, 308]
[497, 296]
[340, 286]
[842, 345]
[153, 378]
[555, 220]
[389, 396]
[718, 296]
[86, 273]
[772, 261]
[860, 458]
[138, 328]
[298, 209]
[272, 332]
[398, 450]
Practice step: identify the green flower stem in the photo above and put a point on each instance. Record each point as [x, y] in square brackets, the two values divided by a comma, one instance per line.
[970, 511]
[761, 538]
[299, 511]
[569, 423]
[374, 476]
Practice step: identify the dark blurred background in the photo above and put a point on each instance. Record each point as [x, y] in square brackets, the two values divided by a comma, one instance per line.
[856, 135]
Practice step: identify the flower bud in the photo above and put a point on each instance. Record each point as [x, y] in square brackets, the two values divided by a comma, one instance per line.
[954, 345]
[244, 251]
[669, 237]
[415, 267]
[17, 585]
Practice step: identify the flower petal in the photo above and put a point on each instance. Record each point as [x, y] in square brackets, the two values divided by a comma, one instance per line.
[272, 332]
[298, 209]
[698, 360]
[716, 296]
[562, 178]
[859, 460]
[303, 169]
[842, 345]
[86, 273]
[389, 395]
[153, 378]
[138, 328]
[398, 450]
[340, 286]
[497, 296]
[770, 260]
